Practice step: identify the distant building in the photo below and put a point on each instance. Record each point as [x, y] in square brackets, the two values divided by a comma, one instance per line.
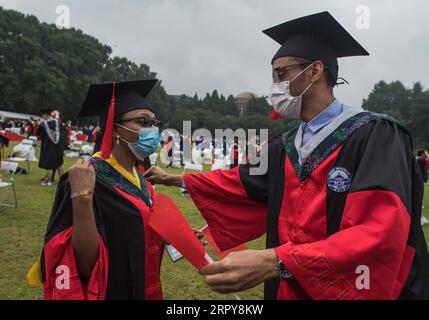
[243, 99]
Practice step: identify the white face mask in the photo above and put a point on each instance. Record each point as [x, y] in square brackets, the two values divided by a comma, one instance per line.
[286, 105]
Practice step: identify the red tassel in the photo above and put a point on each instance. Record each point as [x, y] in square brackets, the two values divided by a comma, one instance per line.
[274, 115]
[106, 145]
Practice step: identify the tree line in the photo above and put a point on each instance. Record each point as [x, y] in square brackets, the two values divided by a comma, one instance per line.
[42, 66]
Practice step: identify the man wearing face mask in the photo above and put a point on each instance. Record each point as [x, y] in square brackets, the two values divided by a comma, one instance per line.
[341, 222]
[98, 231]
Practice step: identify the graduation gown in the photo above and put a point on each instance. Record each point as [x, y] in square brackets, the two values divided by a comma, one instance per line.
[353, 200]
[51, 154]
[65, 137]
[129, 261]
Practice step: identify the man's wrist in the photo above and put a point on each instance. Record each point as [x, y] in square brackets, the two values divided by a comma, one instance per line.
[175, 180]
[281, 269]
[271, 262]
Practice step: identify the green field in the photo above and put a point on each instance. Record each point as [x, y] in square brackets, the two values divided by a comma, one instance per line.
[22, 231]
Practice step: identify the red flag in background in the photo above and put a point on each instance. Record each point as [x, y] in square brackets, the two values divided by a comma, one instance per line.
[169, 223]
[222, 254]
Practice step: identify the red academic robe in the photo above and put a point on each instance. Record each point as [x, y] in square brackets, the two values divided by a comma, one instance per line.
[353, 205]
[128, 266]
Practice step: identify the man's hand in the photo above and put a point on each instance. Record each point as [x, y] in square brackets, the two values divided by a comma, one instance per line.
[241, 270]
[156, 175]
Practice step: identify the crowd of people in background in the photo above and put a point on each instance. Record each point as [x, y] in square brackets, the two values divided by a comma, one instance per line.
[25, 127]
[54, 135]
[236, 151]
[52, 152]
[423, 163]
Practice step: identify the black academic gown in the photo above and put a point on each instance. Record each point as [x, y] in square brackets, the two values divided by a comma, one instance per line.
[128, 266]
[355, 202]
[51, 154]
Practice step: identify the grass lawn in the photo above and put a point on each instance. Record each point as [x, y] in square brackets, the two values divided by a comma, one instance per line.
[22, 231]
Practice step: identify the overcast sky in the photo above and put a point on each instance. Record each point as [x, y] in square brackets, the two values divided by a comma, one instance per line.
[202, 45]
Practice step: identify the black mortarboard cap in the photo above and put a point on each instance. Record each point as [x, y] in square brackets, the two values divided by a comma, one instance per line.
[315, 37]
[111, 100]
[129, 96]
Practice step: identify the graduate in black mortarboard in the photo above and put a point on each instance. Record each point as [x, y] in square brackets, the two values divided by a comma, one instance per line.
[98, 233]
[341, 221]
[51, 150]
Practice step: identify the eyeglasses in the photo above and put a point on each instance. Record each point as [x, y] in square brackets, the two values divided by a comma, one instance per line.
[279, 74]
[144, 121]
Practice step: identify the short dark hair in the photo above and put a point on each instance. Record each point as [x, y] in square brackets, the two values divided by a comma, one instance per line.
[328, 76]
[421, 152]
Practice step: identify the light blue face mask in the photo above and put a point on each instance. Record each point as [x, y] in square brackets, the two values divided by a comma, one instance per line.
[147, 143]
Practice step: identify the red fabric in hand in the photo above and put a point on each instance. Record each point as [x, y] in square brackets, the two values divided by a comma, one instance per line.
[169, 223]
[222, 254]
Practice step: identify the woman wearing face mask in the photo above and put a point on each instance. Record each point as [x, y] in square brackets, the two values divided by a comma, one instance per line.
[98, 244]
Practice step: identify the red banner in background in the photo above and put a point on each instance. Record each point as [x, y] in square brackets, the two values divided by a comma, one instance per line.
[12, 136]
[169, 223]
[222, 254]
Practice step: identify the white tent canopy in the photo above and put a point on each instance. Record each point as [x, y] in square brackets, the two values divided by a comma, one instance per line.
[13, 115]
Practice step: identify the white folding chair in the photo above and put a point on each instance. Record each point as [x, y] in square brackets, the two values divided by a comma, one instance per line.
[76, 146]
[27, 141]
[176, 158]
[190, 167]
[20, 159]
[218, 153]
[208, 155]
[176, 163]
[198, 154]
[23, 152]
[6, 185]
[219, 164]
[153, 158]
[86, 150]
